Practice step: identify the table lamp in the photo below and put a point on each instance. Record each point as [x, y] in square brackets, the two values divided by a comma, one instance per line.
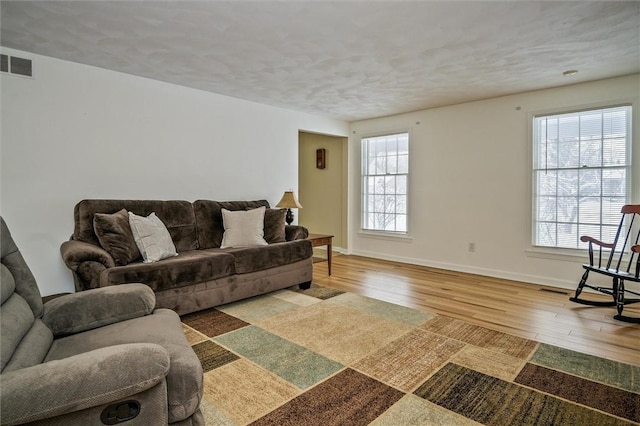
[289, 202]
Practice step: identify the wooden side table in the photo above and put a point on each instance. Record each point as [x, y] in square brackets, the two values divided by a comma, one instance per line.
[323, 240]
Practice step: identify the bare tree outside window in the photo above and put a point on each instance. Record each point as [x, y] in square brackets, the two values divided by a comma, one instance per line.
[581, 175]
[385, 169]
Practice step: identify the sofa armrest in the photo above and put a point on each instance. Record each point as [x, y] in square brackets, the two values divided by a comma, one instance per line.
[82, 381]
[295, 232]
[74, 253]
[90, 309]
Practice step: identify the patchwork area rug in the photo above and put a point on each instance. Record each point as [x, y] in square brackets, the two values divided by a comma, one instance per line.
[325, 357]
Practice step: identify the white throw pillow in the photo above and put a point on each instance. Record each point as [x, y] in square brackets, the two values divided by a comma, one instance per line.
[243, 228]
[151, 237]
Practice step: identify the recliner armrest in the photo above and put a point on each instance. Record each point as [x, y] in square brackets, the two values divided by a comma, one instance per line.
[94, 308]
[82, 381]
[295, 232]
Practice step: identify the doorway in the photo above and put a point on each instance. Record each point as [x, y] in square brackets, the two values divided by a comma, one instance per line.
[323, 191]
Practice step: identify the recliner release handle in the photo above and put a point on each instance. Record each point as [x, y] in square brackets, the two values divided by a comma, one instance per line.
[120, 412]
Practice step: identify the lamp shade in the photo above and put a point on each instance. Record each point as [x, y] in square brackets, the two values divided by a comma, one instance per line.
[289, 201]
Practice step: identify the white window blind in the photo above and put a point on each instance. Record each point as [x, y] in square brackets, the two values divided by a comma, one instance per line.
[581, 175]
[385, 171]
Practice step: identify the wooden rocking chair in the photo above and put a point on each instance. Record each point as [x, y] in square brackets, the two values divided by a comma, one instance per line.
[617, 265]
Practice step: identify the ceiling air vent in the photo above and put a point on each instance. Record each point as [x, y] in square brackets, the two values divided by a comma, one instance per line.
[15, 65]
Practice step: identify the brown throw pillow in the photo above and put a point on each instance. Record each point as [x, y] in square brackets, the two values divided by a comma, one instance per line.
[115, 236]
[274, 225]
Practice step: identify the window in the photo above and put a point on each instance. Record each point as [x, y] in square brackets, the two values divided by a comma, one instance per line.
[581, 175]
[385, 169]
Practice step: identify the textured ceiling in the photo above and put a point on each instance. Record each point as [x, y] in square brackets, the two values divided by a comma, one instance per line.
[347, 60]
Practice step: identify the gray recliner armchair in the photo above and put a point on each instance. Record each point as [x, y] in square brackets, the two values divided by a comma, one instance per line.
[103, 356]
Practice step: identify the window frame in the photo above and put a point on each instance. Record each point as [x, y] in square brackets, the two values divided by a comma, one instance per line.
[573, 253]
[363, 195]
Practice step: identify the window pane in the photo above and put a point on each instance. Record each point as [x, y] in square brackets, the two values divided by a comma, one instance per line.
[568, 128]
[591, 153]
[371, 166]
[378, 203]
[390, 185]
[403, 144]
[401, 204]
[590, 126]
[401, 223]
[590, 182]
[567, 182]
[401, 184]
[547, 208]
[567, 209]
[390, 204]
[546, 234]
[614, 182]
[371, 205]
[379, 221]
[567, 235]
[590, 210]
[546, 182]
[392, 144]
[614, 152]
[403, 164]
[614, 123]
[369, 184]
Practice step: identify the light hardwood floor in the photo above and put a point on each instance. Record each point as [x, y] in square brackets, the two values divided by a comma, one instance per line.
[539, 313]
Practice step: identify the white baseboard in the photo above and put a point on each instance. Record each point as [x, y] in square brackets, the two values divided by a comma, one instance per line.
[495, 273]
[333, 249]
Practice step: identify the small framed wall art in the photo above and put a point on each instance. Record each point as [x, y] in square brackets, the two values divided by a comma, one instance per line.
[321, 158]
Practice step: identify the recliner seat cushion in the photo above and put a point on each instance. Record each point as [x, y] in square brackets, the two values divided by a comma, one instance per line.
[182, 270]
[184, 381]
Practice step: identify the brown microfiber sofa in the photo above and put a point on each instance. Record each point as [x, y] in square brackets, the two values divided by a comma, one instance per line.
[202, 275]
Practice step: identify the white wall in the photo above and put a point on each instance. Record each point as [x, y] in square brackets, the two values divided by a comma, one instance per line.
[470, 182]
[75, 131]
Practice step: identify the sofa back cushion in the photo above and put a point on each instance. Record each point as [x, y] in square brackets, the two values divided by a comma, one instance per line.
[176, 215]
[208, 215]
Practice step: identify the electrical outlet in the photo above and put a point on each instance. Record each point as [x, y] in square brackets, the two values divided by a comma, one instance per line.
[472, 247]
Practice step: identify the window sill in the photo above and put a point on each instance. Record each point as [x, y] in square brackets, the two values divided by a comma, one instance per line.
[567, 255]
[385, 236]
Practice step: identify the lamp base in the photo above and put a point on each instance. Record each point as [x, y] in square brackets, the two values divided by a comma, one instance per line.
[289, 217]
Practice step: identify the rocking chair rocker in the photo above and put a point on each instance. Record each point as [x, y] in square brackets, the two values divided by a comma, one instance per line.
[617, 266]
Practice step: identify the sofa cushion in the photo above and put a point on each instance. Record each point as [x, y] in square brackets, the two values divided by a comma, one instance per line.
[176, 215]
[151, 237]
[252, 259]
[243, 228]
[274, 225]
[187, 268]
[208, 216]
[115, 236]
